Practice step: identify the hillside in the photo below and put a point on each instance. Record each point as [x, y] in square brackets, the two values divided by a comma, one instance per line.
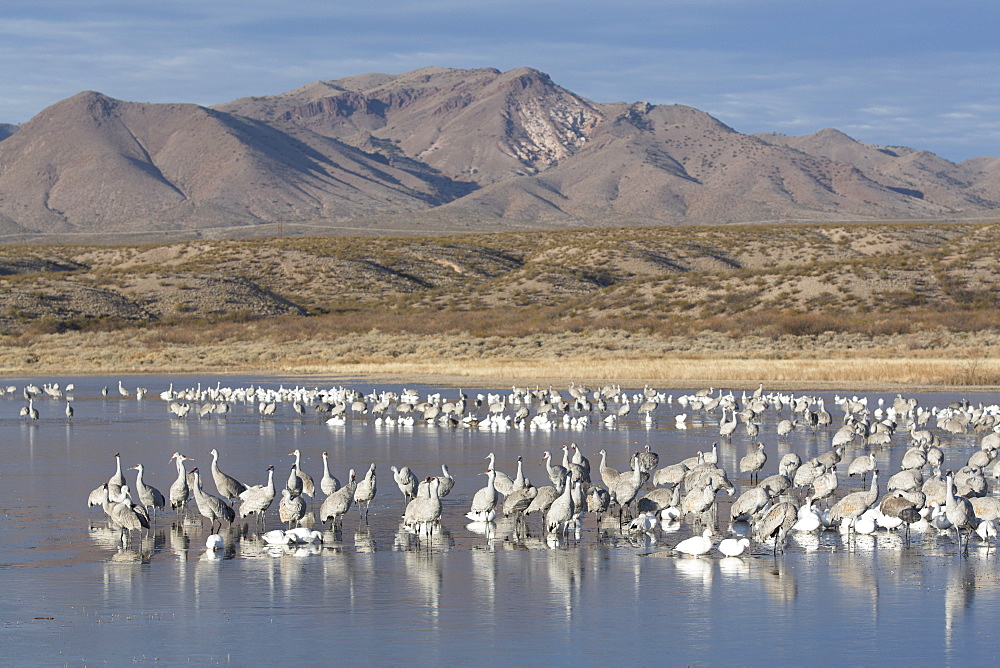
[442, 151]
[858, 278]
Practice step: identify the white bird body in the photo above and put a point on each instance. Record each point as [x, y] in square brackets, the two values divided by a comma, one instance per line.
[734, 547]
[696, 545]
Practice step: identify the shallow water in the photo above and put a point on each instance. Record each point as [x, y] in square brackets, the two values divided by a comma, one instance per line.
[375, 593]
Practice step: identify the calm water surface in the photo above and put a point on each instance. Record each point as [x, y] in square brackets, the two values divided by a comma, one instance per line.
[374, 593]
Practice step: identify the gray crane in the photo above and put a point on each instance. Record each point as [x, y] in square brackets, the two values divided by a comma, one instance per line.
[149, 496]
[753, 461]
[291, 508]
[308, 486]
[228, 486]
[128, 515]
[328, 484]
[484, 502]
[211, 507]
[775, 523]
[365, 490]
[959, 512]
[258, 498]
[337, 504]
[424, 511]
[854, 504]
[407, 483]
[179, 489]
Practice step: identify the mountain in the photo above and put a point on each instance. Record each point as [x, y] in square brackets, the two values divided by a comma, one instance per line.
[458, 148]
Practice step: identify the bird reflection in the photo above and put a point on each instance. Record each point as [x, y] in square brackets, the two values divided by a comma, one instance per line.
[696, 570]
[779, 582]
[959, 590]
[364, 542]
[565, 576]
[733, 566]
[424, 574]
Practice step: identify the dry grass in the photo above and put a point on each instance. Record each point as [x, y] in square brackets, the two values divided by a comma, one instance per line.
[712, 359]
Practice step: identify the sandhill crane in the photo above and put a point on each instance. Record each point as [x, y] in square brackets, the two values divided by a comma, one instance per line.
[562, 509]
[608, 474]
[853, 505]
[179, 489]
[543, 500]
[149, 496]
[556, 472]
[328, 484]
[211, 507]
[517, 502]
[291, 508]
[406, 481]
[959, 512]
[825, 484]
[257, 499]
[484, 502]
[648, 460]
[626, 487]
[598, 501]
[337, 504]
[128, 516]
[446, 481]
[753, 461]
[501, 480]
[862, 465]
[424, 511]
[365, 490]
[748, 503]
[117, 479]
[227, 486]
[776, 523]
[308, 485]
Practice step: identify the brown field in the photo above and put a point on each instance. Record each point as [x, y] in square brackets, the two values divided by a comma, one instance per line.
[713, 360]
[793, 305]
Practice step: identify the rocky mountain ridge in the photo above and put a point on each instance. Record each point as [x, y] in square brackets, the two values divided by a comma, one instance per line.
[470, 150]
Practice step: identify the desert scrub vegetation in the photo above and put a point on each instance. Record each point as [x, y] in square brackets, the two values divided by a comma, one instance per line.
[740, 282]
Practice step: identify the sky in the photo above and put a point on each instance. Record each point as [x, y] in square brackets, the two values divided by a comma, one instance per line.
[889, 72]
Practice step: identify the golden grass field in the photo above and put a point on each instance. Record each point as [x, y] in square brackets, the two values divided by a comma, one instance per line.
[540, 360]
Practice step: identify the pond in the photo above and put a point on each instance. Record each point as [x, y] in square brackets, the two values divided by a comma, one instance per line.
[374, 591]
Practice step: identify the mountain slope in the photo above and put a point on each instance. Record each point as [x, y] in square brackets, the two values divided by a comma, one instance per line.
[455, 147]
[98, 164]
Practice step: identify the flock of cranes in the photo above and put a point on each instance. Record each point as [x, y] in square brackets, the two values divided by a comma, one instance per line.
[929, 492]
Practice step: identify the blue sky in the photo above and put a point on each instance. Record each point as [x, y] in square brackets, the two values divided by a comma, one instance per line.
[890, 72]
